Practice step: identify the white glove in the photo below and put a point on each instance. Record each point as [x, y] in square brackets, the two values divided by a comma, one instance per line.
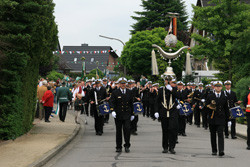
[229, 123]
[156, 115]
[203, 100]
[169, 87]
[178, 106]
[132, 118]
[114, 114]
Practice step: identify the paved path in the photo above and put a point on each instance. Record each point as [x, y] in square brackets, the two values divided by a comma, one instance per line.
[42, 141]
[89, 150]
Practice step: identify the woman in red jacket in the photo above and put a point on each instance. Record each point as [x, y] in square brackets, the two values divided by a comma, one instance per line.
[48, 101]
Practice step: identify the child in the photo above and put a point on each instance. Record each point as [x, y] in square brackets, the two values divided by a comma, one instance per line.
[78, 107]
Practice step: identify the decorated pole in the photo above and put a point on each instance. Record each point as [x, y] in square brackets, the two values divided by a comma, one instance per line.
[83, 68]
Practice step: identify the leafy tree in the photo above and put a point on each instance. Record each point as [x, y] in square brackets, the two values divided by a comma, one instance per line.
[154, 15]
[53, 75]
[29, 29]
[136, 55]
[224, 24]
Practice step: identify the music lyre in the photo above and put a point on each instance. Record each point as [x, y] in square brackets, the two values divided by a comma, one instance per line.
[139, 108]
[106, 108]
[239, 113]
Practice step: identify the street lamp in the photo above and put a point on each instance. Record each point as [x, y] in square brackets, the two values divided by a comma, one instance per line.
[116, 40]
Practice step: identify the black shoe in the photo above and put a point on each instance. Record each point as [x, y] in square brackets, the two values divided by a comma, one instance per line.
[47, 121]
[226, 137]
[190, 123]
[118, 150]
[177, 142]
[134, 133]
[98, 133]
[234, 137]
[198, 126]
[183, 134]
[165, 151]
[205, 128]
[179, 134]
[221, 154]
[214, 153]
[172, 151]
[127, 150]
[248, 147]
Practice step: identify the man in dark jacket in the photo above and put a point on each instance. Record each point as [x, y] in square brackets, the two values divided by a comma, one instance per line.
[218, 114]
[97, 96]
[109, 92]
[197, 104]
[166, 109]
[121, 105]
[231, 99]
[135, 93]
[63, 97]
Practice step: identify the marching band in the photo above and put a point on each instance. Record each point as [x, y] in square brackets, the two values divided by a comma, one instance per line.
[174, 105]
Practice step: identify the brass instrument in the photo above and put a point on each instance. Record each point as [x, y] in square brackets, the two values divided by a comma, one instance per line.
[190, 96]
[212, 106]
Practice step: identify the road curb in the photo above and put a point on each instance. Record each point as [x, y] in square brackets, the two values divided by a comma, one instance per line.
[49, 155]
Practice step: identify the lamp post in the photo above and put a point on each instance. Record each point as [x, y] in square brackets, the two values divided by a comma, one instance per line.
[116, 40]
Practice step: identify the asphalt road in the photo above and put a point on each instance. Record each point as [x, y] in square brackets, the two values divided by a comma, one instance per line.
[89, 150]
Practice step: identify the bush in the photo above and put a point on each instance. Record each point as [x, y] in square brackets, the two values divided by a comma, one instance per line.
[53, 75]
[242, 88]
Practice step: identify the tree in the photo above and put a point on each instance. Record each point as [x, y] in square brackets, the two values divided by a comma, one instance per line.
[136, 55]
[154, 15]
[29, 29]
[223, 23]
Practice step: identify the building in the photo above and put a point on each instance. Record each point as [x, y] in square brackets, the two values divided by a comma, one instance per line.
[103, 57]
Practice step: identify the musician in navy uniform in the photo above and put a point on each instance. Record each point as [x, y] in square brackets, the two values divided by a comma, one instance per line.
[166, 109]
[232, 99]
[197, 104]
[191, 93]
[109, 92]
[136, 98]
[101, 95]
[205, 109]
[218, 114]
[121, 105]
[182, 97]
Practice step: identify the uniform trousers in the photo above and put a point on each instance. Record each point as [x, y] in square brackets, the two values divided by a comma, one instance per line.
[63, 111]
[182, 124]
[197, 116]
[86, 105]
[99, 122]
[233, 126]
[134, 124]
[169, 136]
[125, 126]
[205, 118]
[217, 129]
[146, 108]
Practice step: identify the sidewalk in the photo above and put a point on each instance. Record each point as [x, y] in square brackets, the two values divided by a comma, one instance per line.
[241, 130]
[40, 144]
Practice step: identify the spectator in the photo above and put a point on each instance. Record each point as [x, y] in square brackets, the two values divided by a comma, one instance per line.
[47, 100]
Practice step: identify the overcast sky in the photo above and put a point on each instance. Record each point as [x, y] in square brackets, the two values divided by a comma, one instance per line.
[82, 21]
